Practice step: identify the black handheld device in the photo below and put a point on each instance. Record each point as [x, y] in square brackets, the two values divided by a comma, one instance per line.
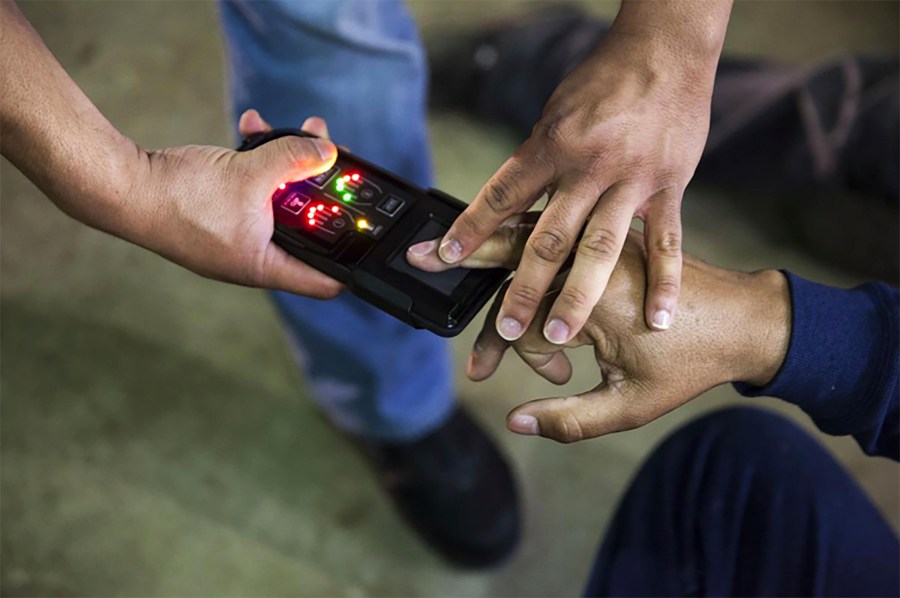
[355, 222]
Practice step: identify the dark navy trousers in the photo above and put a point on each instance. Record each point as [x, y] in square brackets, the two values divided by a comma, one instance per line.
[742, 502]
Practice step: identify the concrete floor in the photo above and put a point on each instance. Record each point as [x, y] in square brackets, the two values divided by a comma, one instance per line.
[156, 437]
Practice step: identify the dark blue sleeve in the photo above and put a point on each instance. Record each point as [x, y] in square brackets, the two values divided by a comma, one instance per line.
[842, 365]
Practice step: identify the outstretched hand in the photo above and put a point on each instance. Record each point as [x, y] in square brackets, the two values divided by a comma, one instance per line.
[734, 326]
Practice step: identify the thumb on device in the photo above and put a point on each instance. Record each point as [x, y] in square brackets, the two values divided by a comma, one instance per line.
[292, 159]
[503, 249]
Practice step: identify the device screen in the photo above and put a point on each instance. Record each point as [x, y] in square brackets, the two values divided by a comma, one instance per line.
[443, 282]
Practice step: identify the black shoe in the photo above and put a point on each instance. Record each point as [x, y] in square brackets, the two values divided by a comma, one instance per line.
[455, 488]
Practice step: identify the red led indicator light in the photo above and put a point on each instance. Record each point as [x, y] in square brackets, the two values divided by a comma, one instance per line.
[321, 206]
[312, 222]
[346, 177]
[355, 176]
[335, 209]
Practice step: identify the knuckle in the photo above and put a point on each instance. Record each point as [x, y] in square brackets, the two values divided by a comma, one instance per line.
[499, 195]
[556, 131]
[524, 295]
[549, 245]
[668, 244]
[666, 285]
[576, 299]
[599, 244]
[537, 360]
[568, 428]
[668, 183]
[261, 270]
[470, 223]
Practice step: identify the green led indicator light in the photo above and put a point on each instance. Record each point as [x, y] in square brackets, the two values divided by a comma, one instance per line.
[339, 185]
[348, 197]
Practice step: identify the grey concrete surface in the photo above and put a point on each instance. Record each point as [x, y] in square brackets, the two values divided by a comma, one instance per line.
[156, 436]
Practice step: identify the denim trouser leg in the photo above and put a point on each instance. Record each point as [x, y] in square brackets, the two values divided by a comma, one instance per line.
[742, 502]
[360, 65]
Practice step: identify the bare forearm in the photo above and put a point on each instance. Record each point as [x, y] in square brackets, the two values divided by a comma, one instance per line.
[54, 134]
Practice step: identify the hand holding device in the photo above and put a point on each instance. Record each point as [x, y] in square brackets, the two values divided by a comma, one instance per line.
[354, 223]
[204, 208]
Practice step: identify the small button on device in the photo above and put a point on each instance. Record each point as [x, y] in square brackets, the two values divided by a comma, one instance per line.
[367, 193]
[294, 203]
[320, 179]
[390, 205]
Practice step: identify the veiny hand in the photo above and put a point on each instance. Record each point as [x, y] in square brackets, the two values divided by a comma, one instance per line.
[211, 208]
[620, 138]
[733, 326]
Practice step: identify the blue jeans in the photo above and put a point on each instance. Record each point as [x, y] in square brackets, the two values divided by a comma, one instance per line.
[360, 65]
[742, 502]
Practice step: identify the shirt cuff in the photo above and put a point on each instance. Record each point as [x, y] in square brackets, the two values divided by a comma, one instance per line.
[842, 353]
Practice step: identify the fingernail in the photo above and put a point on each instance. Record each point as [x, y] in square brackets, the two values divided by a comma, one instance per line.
[524, 424]
[661, 320]
[324, 147]
[450, 251]
[423, 248]
[509, 328]
[556, 331]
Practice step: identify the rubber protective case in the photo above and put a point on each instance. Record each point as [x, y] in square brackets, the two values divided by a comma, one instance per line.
[355, 222]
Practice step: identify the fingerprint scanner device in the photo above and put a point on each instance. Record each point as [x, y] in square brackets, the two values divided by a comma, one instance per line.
[355, 221]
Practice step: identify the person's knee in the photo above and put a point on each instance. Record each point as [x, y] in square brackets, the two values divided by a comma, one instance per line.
[738, 428]
[734, 441]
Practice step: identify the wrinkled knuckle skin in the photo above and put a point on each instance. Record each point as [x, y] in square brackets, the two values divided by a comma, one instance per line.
[523, 296]
[599, 245]
[668, 244]
[668, 185]
[549, 246]
[567, 429]
[666, 285]
[498, 195]
[575, 299]
[470, 224]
